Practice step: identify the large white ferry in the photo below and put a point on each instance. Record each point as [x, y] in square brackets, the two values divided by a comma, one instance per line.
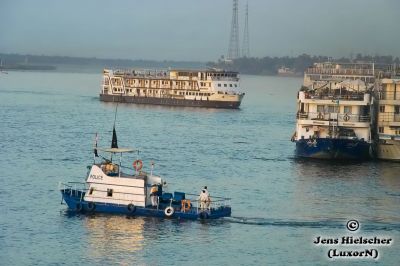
[197, 88]
[334, 111]
[388, 119]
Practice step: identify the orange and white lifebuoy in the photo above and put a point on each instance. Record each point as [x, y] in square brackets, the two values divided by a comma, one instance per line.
[137, 165]
[186, 205]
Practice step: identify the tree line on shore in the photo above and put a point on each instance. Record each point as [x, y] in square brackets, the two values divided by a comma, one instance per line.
[270, 65]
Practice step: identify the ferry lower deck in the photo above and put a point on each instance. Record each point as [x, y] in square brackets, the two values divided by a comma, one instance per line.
[170, 101]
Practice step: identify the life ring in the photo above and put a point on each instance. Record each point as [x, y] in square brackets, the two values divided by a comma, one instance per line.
[138, 164]
[346, 117]
[131, 208]
[186, 205]
[169, 211]
[320, 115]
[78, 207]
[91, 206]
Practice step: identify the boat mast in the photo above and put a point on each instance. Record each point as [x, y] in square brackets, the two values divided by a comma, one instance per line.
[114, 141]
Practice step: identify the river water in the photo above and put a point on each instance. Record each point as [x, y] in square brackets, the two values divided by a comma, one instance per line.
[279, 203]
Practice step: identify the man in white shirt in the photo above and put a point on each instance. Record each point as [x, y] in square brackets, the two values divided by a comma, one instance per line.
[204, 199]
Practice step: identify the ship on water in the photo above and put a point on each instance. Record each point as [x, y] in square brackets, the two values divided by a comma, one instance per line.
[211, 88]
[112, 187]
[334, 111]
[388, 119]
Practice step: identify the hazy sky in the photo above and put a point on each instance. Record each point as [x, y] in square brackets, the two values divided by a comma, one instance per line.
[197, 30]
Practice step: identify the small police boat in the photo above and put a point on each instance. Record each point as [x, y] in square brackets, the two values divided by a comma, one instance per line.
[110, 190]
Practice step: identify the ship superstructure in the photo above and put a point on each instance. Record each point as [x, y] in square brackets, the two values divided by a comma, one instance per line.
[196, 88]
[388, 119]
[334, 112]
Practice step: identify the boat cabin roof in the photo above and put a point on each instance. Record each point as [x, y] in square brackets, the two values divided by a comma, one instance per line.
[117, 150]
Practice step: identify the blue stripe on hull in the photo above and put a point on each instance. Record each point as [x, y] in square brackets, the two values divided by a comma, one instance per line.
[73, 203]
[340, 149]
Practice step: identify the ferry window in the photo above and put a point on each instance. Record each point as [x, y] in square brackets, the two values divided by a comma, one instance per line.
[320, 108]
[225, 85]
[235, 85]
[347, 109]
[332, 108]
[230, 85]
[109, 192]
[381, 130]
[91, 191]
[381, 108]
[397, 109]
[219, 84]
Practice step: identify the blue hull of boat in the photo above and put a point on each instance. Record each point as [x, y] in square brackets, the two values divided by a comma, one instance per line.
[75, 202]
[340, 149]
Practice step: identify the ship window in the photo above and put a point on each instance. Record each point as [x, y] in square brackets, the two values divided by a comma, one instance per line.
[225, 85]
[219, 84]
[381, 130]
[347, 109]
[109, 192]
[91, 191]
[230, 85]
[320, 108]
[382, 108]
[332, 108]
[235, 85]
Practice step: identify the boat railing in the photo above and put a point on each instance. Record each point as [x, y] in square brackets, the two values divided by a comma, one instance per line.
[334, 71]
[331, 96]
[213, 204]
[389, 117]
[74, 189]
[389, 95]
[326, 116]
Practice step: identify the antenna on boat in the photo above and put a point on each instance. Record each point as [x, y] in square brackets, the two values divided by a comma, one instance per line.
[114, 141]
[151, 169]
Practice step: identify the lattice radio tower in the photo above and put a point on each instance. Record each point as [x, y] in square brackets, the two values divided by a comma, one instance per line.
[233, 52]
[246, 37]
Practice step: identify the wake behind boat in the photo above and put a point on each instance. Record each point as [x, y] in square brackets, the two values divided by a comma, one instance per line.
[108, 189]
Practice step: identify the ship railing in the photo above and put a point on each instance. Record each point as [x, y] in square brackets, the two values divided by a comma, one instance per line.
[329, 96]
[333, 71]
[326, 116]
[214, 203]
[389, 117]
[384, 95]
[142, 73]
[74, 189]
[224, 79]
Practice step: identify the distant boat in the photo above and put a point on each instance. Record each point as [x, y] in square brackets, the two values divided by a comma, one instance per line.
[212, 88]
[1, 67]
[287, 72]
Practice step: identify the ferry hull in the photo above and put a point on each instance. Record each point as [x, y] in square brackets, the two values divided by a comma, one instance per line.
[170, 101]
[338, 149]
[389, 150]
[75, 202]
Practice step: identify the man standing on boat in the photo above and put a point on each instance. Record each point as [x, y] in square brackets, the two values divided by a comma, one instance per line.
[154, 195]
[204, 198]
